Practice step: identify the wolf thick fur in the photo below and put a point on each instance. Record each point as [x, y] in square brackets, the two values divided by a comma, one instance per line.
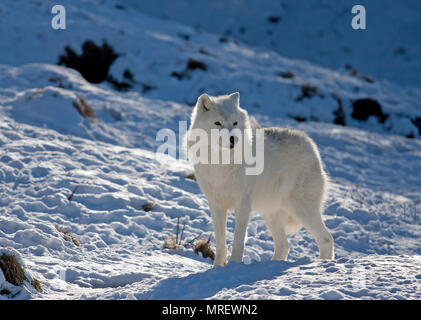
[288, 193]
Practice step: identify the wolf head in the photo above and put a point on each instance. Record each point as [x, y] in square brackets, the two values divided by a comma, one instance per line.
[219, 113]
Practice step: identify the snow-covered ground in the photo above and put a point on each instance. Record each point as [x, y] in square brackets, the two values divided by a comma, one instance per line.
[315, 30]
[47, 150]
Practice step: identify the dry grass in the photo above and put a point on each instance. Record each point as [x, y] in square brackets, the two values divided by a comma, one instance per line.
[191, 176]
[204, 246]
[14, 273]
[68, 236]
[85, 110]
[174, 243]
[12, 270]
[36, 284]
[170, 243]
[94, 62]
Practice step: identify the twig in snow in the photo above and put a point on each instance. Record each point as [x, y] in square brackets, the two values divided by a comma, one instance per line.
[191, 241]
[176, 235]
[182, 232]
[73, 193]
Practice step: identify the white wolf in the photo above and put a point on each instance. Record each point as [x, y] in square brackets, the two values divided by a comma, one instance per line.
[288, 193]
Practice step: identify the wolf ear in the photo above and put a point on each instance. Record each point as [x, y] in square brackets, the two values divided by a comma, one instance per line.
[203, 102]
[235, 98]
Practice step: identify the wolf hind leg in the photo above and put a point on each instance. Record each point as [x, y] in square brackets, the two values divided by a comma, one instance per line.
[310, 216]
[276, 228]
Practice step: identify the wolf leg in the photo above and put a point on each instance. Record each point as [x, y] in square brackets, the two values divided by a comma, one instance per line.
[219, 220]
[242, 215]
[277, 230]
[310, 216]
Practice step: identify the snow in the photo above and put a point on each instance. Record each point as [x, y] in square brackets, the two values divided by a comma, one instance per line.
[315, 30]
[47, 149]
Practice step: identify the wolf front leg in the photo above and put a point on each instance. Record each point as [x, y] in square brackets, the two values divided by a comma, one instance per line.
[242, 215]
[219, 220]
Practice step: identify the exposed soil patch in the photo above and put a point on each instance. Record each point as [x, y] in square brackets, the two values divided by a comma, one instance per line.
[274, 19]
[339, 112]
[298, 118]
[94, 62]
[307, 91]
[148, 206]
[192, 64]
[367, 107]
[286, 74]
[417, 123]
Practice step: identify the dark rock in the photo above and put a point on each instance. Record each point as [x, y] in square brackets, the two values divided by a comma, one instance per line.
[417, 123]
[339, 112]
[364, 108]
[307, 91]
[184, 36]
[122, 86]
[204, 51]
[178, 75]
[298, 118]
[147, 87]
[148, 206]
[193, 64]
[286, 74]
[94, 62]
[128, 75]
[274, 19]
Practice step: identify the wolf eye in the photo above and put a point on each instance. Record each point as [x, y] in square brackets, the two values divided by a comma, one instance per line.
[235, 123]
[218, 123]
